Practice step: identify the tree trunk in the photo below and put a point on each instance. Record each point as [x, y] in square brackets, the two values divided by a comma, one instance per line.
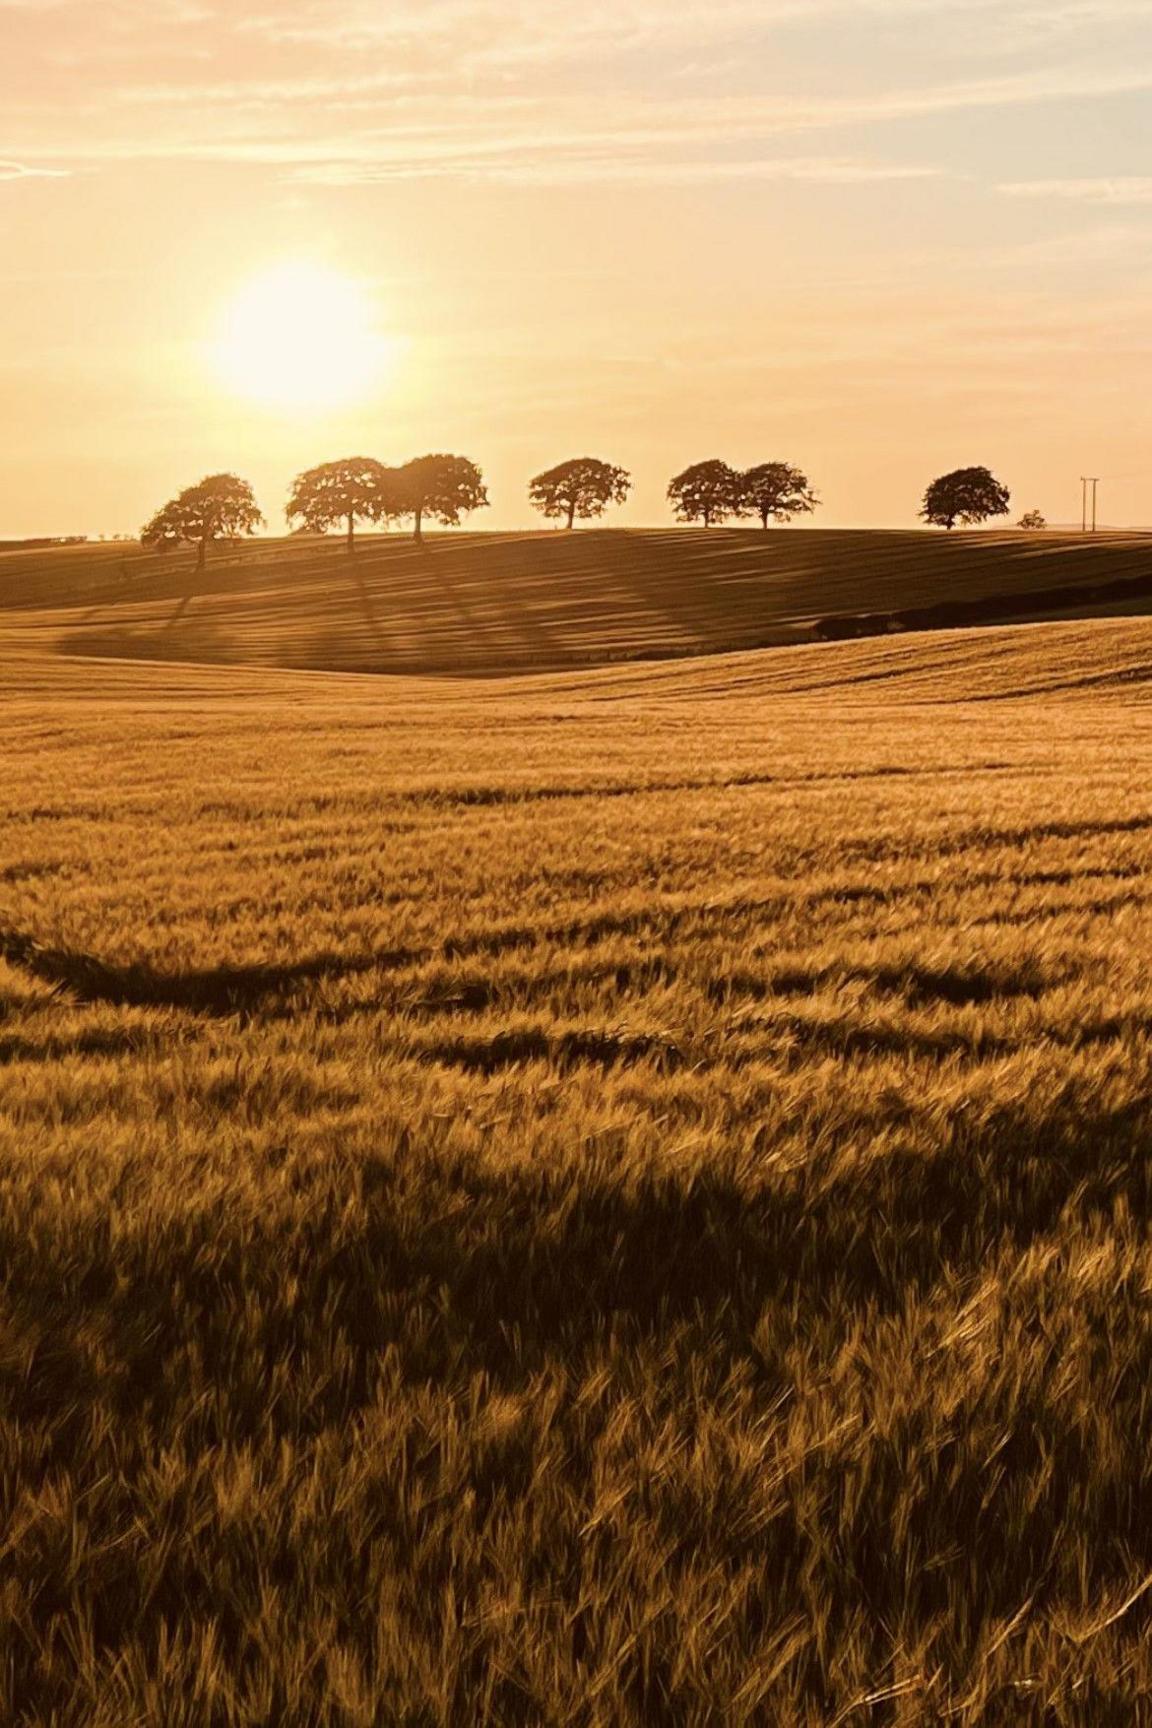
[764, 519]
[202, 555]
[351, 532]
[419, 522]
[571, 516]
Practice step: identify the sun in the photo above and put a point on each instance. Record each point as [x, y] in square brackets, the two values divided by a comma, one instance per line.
[301, 336]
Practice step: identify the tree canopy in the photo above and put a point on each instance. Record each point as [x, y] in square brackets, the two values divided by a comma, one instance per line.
[440, 487]
[776, 492]
[706, 492]
[356, 488]
[968, 495]
[582, 487]
[1032, 519]
[222, 505]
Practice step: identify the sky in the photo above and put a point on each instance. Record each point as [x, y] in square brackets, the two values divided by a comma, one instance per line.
[877, 238]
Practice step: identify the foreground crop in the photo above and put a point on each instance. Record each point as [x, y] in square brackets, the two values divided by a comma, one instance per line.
[615, 1201]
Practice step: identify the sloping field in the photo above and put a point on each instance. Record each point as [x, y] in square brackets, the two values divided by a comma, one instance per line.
[1101, 658]
[610, 1198]
[1107, 657]
[476, 602]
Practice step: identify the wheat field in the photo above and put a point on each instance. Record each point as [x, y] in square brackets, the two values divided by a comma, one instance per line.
[610, 1197]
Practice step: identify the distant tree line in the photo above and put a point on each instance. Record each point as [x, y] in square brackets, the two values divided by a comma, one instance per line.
[443, 488]
[38, 543]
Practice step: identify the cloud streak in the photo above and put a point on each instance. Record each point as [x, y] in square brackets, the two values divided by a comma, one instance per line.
[509, 162]
[619, 90]
[1118, 189]
[22, 171]
[382, 125]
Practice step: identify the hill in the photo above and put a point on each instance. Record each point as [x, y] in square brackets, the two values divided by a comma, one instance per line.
[1083, 659]
[486, 602]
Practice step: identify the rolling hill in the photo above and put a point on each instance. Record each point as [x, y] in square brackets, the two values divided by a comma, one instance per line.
[491, 602]
[1089, 658]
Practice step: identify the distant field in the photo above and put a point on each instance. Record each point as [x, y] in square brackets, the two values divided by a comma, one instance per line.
[611, 1197]
[483, 602]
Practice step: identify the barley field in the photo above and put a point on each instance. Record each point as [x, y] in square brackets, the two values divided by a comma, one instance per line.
[477, 603]
[611, 1197]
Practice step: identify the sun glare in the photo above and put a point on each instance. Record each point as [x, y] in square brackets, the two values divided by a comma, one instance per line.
[303, 336]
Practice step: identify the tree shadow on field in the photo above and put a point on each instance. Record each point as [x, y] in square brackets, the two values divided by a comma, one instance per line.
[112, 601]
[718, 594]
[174, 618]
[217, 990]
[511, 633]
[573, 1256]
[177, 637]
[369, 613]
[511, 1270]
[680, 1291]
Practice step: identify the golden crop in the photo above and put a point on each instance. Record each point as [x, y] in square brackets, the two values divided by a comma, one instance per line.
[608, 1198]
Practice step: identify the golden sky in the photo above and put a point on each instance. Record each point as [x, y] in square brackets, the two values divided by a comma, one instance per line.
[879, 238]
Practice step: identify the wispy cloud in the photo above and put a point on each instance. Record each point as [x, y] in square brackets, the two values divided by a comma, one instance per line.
[518, 27]
[624, 90]
[22, 171]
[1115, 189]
[508, 138]
[512, 162]
[370, 124]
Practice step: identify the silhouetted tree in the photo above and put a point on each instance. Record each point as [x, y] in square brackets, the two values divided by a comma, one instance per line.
[583, 487]
[776, 492]
[707, 492]
[441, 487]
[1032, 519]
[221, 505]
[354, 489]
[968, 495]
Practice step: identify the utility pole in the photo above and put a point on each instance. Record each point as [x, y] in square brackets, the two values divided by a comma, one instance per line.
[1087, 480]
